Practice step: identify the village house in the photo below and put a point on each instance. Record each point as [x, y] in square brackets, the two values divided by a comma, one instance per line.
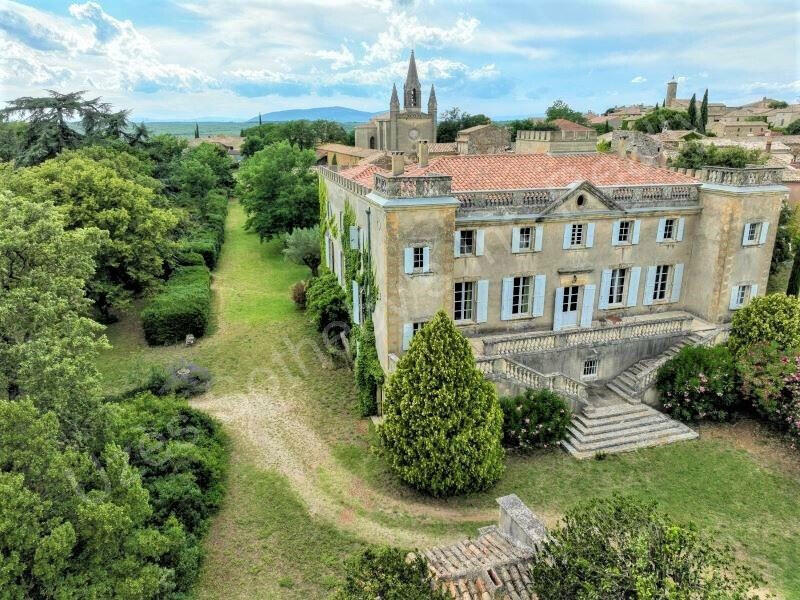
[568, 138]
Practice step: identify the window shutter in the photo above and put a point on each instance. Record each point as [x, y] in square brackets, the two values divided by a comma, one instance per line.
[681, 224]
[649, 286]
[614, 239]
[676, 283]
[483, 301]
[753, 291]
[745, 241]
[479, 242]
[734, 304]
[356, 301]
[661, 224]
[408, 261]
[762, 239]
[505, 306]
[636, 226]
[557, 309]
[353, 237]
[605, 288]
[588, 305]
[537, 242]
[590, 235]
[633, 286]
[514, 240]
[408, 332]
[539, 287]
[457, 243]
[567, 235]
[426, 259]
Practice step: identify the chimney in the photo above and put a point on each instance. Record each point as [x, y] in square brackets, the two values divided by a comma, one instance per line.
[398, 162]
[768, 146]
[621, 147]
[518, 524]
[422, 153]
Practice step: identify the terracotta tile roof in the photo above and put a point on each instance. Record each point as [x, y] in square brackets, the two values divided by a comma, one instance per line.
[348, 150]
[565, 125]
[363, 174]
[441, 147]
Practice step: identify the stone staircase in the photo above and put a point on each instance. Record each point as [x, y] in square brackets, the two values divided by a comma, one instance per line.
[621, 427]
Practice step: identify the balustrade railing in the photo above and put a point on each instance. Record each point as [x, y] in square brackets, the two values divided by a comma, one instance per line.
[557, 382]
[744, 177]
[343, 182]
[403, 186]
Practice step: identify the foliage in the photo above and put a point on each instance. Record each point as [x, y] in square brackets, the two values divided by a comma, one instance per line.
[368, 370]
[12, 139]
[793, 128]
[302, 133]
[217, 160]
[622, 547]
[454, 120]
[703, 121]
[698, 383]
[386, 573]
[777, 104]
[604, 146]
[193, 178]
[534, 419]
[787, 410]
[442, 421]
[774, 318]
[528, 125]
[691, 111]
[299, 294]
[278, 190]
[185, 380]
[189, 258]
[763, 371]
[561, 110]
[663, 118]
[787, 233]
[183, 307]
[695, 155]
[48, 345]
[327, 301]
[793, 286]
[303, 248]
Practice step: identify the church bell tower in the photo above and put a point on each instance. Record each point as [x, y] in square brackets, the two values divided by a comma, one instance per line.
[412, 89]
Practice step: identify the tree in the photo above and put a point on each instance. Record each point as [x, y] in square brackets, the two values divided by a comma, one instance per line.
[777, 104]
[692, 111]
[793, 287]
[442, 420]
[278, 190]
[695, 155]
[622, 547]
[454, 120]
[793, 128]
[48, 345]
[664, 118]
[773, 318]
[528, 125]
[561, 110]
[785, 238]
[302, 248]
[385, 572]
[302, 133]
[701, 125]
[196, 131]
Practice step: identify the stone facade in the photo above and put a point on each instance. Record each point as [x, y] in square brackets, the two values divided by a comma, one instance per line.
[483, 139]
[556, 142]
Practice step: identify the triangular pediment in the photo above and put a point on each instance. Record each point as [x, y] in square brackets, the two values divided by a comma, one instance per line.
[582, 196]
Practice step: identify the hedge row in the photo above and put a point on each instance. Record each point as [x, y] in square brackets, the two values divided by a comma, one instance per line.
[207, 239]
[183, 307]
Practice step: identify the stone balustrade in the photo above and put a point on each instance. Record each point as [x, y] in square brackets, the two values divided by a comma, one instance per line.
[521, 374]
[343, 182]
[558, 135]
[404, 186]
[745, 177]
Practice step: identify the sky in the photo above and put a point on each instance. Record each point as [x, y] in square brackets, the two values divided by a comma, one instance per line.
[189, 59]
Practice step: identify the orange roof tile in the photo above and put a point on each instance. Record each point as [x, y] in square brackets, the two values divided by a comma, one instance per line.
[566, 125]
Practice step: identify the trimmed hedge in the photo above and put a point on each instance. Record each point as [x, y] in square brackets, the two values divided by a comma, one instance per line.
[534, 419]
[204, 245]
[186, 258]
[183, 307]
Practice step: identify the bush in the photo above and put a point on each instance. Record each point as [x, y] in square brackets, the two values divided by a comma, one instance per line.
[299, 294]
[534, 419]
[385, 572]
[185, 380]
[153, 381]
[183, 307]
[368, 370]
[327, 302]
[186, 258]
[621, 547]
[696, 156]
[442, 421]
[204, 244]
[699, 383]
[774, 318]
[763, 371]
[787, 410]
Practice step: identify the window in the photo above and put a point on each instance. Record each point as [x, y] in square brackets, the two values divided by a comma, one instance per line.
[577, 237]
[751, 235]
[617, 287]
[669, 229]
[590, 367]
[467, 241]
[524, 238]
[464, 300]
[570, 301]
[419, 258]
[624, 232]
[660, 287]
[521, 296]
[415, 327]
[741, 294]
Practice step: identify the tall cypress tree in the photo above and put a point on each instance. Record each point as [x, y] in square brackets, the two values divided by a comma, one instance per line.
[793, 288]
[692, 111]
[196, 131]
[703, 113]
[259, 118]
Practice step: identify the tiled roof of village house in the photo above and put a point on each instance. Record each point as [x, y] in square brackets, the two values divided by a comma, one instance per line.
[566, 125]
[441, 147]
[476, 172]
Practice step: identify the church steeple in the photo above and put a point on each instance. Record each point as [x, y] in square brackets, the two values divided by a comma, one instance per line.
[412, 97]
[394, 103]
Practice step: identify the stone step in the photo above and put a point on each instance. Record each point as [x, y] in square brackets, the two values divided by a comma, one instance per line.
[628, 447]
[590, 422]
[632, 437]
[618, 426]
[612, 410]
[627, 377]
[623, 390]
[620, 434]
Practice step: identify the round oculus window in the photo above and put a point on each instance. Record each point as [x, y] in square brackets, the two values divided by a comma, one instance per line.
[413, 134]
[581, 200]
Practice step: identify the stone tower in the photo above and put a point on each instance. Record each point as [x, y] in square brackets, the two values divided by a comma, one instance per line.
[412, 88]
[672, 91]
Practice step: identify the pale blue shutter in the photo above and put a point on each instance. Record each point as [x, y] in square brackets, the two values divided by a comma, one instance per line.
[514, 240]
[661, 224]
[507, 291]
[681, 224]
[356, 304]
[483, 301]
[539, 287]
[557, 309]
[353, 237]
[753, 291]
[426, 259]
[479, 242]
[408, 260]
[734, 303]
[457, 243]
[588, 305]
[677, 277]
[636, 227]
[408, 333]
[605, 288]
[590, 235]
[537, 244]
[633, 286]
[614, 238]
[649, 286]
[762, 239]
[745, 241]
[567, 235]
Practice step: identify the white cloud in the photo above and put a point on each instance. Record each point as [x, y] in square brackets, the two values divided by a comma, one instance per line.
[638, 79]
[339, 58]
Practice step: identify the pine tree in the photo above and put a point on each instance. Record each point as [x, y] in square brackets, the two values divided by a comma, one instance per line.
[703, 113]
[196, 131]
[692, 111]
[443, 423]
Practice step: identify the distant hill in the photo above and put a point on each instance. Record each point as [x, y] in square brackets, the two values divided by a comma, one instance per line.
[340, 114]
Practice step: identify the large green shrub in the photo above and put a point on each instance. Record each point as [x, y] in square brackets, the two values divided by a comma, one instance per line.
[774, 318]
[442, 421]
[387, 573]
[183, 307]
[326, 301]
[763, 371]
[622, 547]
[699, 383]
[368, 370]
[534, 419]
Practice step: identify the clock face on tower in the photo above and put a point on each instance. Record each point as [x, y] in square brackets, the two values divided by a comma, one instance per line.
[413, 134]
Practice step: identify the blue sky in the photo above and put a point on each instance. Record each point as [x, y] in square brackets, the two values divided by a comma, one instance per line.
[188, 58]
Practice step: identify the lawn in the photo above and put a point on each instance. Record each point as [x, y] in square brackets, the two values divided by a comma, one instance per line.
[305, 489]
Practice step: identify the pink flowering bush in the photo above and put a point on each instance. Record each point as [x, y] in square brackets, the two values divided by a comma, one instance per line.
[535, 419]
[787, 410]
[699, 383]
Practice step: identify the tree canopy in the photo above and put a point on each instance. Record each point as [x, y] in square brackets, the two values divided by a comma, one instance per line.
[302, 133]
[454, 120]
[561, 110]
[658, 120]
[528, 124]
[302, 248]
[695, 155]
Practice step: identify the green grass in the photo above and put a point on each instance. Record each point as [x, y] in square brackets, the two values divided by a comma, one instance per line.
[736, 484]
